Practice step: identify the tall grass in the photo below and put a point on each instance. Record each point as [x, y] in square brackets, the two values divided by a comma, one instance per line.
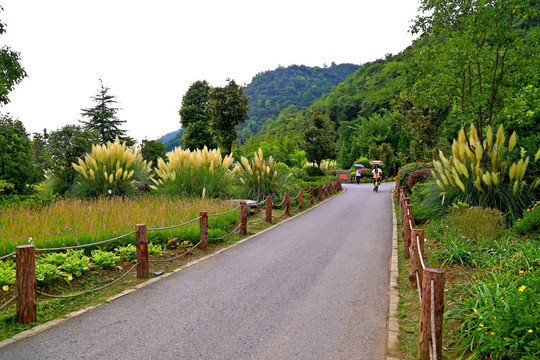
[71, 222]
[260, 178]
[111, 169]
[194, 173]
[487, 173]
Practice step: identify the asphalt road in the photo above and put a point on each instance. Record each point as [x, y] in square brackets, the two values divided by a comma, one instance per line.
[314, 287]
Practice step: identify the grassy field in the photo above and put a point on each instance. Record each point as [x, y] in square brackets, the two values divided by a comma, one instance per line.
[71, 222]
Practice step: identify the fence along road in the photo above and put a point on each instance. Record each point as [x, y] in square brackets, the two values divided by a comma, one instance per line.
[314, 287]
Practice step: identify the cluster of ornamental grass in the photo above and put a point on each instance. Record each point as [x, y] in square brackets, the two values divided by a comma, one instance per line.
[260, 178]
[72, 221]
[111, 169]
[202, 173]
[485, 173]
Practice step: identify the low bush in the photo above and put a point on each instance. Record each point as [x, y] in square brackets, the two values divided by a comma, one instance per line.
[498, 316]
[406, 170]
[314, 171]
[477, 224]
[7, 274]
[46, 273]
[418, 176]
[104, 259]
[76, 263]
[128, 252]
[529, 224]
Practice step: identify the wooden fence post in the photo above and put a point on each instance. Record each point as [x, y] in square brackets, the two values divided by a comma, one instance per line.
[287, 202]
[203, 224]
[312, 198]
[26, 283]
[268, 210]
[432, 289]
[142, 251]
[301, 199]
[415, 265]
[319, 193]
[243, 218]
[406, 231]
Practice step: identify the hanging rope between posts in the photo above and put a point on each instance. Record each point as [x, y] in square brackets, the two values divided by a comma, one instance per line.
[224, 213]
[296, 197]
[87, 291]
[6, 305]
[420, 252]
[433, 337]
[173, 226]
[418, 287]
[86, 245]
[176, 257]
[6, 256]
[224, 236]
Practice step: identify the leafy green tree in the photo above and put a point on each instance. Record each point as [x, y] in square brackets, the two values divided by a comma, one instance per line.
[471, 54]
[152, 150]
[10, 68]
[228, 109]
[17, 165]
[65, 146]
[319, 138]
[41, 154]
[195, 117]
[102, 117]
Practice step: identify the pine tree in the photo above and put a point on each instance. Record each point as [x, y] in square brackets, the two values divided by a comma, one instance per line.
[102, 117]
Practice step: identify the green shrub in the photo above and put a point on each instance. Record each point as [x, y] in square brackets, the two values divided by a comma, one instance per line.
[476, 223]
[7, 274]
[76, 263]
[104, 259]
[498, 316]
[314, 171]
[418, 176]
[155, 249]
[128, 252]
[46, 273]
[427, 202]
[54, 258]
[530, 223]
[406, 170]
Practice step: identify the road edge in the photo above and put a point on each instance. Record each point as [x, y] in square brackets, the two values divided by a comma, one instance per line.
[393, 326]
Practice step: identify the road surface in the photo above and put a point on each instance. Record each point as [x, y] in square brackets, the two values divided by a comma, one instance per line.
[313, 287]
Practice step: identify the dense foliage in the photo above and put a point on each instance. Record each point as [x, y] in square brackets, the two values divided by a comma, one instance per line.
[297, 85]
[16, 156]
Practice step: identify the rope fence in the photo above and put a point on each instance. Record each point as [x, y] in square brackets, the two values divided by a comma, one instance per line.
[25, 255]
[429, 283]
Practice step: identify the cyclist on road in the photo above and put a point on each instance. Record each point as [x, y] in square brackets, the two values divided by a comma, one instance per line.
[377, 176]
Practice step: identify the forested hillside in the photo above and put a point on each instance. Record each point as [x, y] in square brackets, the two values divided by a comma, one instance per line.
[271, 91]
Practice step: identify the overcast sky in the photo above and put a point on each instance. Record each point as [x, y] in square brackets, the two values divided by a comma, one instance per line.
[149, 52]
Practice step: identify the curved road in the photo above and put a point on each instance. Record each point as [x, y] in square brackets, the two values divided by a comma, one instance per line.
[313, 287]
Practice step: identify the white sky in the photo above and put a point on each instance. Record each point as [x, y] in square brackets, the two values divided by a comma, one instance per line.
[149, 52]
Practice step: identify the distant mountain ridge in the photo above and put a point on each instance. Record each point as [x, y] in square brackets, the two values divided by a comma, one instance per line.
[273, 90]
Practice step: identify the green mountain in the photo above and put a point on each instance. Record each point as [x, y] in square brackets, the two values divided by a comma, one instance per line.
[299, 85]
[172, 139]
